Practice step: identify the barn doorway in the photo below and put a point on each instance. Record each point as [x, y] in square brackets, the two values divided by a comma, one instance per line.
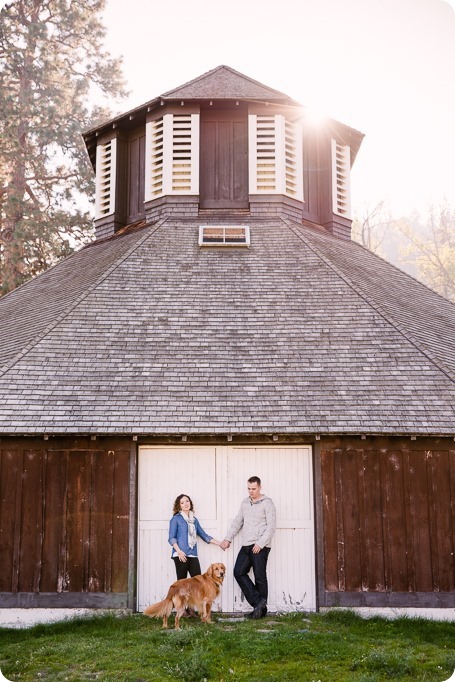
[215, 478]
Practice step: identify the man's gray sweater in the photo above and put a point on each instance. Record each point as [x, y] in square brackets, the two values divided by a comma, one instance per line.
[257, 521]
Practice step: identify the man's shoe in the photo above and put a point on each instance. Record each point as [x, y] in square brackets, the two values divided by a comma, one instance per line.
[259, 611]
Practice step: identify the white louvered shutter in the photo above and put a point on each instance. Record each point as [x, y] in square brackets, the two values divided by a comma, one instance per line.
[293, 161]
[105, 178]
[154, 141]
[262, 154]
[172, 155]
[341, 179]
[275, 156]
[185, 157]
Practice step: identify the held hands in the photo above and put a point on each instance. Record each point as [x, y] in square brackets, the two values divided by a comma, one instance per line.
[226, 544]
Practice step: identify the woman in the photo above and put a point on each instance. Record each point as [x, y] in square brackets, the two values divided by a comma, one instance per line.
[183, 531]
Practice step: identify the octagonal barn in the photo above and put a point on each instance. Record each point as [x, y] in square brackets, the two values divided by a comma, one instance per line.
[222, 325]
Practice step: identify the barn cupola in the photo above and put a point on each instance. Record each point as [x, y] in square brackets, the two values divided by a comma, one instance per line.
[222, 144]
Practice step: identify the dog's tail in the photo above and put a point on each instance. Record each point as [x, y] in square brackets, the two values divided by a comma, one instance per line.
[160, 609]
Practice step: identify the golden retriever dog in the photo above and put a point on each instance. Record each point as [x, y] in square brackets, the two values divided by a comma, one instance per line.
[197, 593]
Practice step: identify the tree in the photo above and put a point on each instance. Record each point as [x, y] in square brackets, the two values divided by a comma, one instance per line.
[371, 228]
[431, 248]
[52, 60]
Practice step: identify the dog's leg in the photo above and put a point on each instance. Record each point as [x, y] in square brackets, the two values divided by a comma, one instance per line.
[180, 604]
[204, 611]
[209, 612]
[165, 622]
[178, 615]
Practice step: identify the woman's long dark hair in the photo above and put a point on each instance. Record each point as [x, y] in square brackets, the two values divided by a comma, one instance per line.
[176, 509]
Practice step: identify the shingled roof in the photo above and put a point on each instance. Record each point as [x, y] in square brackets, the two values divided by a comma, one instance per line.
[223, 82]
[146, 332]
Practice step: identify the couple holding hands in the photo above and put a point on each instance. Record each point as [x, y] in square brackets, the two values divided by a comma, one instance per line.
[256, 519]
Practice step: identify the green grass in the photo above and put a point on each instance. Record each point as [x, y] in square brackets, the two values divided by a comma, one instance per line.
[332, 647]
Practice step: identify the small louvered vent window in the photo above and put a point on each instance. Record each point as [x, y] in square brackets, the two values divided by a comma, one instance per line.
[157, 156]
[266, 154]
[292, 187]
[341, 168]
[181, 153]
[105, 178]
[172, 156]
[275, 155]
[222, 235]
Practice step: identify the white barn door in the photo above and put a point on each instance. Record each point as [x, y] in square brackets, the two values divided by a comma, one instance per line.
[216, 480]
[164, 473]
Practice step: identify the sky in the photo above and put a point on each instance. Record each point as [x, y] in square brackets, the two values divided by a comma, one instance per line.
[383, 67]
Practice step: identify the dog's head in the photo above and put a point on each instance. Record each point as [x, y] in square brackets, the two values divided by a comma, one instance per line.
[217, 572]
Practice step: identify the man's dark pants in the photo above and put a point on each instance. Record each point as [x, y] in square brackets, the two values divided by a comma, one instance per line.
[258, 591]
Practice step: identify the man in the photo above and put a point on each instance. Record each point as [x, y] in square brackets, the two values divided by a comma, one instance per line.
[257, 519]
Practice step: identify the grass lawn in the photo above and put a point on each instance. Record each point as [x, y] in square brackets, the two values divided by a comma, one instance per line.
[331, 647]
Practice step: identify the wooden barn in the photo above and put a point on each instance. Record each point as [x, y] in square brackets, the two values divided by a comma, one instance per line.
[221, 325]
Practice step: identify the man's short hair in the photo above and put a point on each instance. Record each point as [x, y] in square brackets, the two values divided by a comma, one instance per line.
[254, 479]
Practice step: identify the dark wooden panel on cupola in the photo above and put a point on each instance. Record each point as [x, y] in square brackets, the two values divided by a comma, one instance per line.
[136, 177]
[224, 160]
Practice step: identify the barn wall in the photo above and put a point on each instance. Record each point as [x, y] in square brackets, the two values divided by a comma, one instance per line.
[388, 535]
[64, 520]
[385, 521]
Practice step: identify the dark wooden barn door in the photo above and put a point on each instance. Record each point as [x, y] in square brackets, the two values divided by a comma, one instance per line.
[224, 160]
[136, 177]
[64, 528]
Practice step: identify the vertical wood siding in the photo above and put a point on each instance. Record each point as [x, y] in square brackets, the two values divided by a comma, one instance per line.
[389, 517]
[224, 160]
[64, 519]
[136, 177]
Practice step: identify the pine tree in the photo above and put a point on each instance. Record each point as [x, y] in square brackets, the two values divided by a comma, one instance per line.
[52, 61]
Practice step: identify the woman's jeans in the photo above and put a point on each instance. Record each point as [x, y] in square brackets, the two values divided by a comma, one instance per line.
[191, 566]
[254, 593]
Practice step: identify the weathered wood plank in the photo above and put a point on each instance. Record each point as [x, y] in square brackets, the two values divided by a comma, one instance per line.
[349, 503]
[394, 518]
[120, 521]
[96, 600]
[442, 537]
[420, 526]
[428, 600]
[10, 478]
[32, 521]
[329, 534]
[78, 511]
[132, 467]
[54, 520]
[100, 523]
[373, 577]
[408, 522]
